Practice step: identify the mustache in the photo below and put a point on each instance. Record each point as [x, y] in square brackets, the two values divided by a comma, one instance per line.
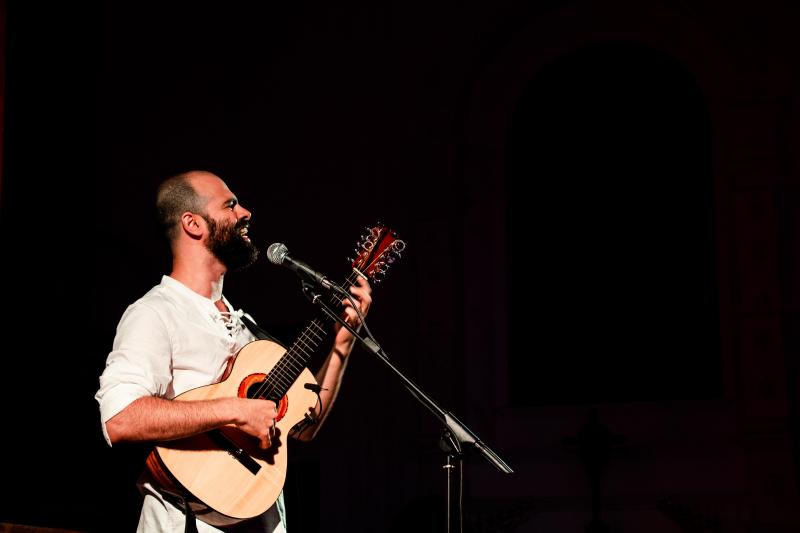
[243, 223]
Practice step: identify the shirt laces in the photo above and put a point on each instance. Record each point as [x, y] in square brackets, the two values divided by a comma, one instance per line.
[232, 320]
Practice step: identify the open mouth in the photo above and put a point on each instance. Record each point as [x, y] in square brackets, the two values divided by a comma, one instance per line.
[243, 232]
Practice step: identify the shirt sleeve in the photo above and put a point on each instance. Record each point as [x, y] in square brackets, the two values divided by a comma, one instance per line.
[140, 363]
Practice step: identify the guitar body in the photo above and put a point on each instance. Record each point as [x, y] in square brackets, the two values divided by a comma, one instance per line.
[224, 490]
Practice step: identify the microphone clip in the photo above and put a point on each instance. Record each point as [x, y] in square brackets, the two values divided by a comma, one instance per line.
[308, 289]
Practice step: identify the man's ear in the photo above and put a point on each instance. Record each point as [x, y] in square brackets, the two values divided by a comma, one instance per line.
[193, 224]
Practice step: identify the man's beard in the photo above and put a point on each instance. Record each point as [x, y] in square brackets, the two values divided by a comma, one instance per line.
[229, 246]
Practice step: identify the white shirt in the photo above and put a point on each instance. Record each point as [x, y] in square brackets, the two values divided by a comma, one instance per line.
[169, 341]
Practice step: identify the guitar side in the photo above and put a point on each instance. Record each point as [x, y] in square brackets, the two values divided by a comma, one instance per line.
[244, 487]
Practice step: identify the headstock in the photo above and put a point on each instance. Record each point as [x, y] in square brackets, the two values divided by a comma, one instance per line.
[376, 251]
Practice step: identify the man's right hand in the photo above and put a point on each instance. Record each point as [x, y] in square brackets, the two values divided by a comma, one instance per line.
[257, 418]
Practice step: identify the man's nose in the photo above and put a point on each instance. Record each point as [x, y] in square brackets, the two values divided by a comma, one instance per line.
[242, 212]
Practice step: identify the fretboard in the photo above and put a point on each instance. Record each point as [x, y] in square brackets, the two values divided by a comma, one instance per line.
[294, 361]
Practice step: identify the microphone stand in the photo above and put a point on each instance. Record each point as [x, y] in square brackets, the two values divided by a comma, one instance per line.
[454, 433]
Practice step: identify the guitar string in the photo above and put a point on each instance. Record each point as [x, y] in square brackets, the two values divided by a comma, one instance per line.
[291, 358]
[294, 359]
[279, 375]
[292, 363]
[279, 372]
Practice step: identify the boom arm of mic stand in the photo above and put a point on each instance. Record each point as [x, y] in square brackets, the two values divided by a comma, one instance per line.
[461, 433]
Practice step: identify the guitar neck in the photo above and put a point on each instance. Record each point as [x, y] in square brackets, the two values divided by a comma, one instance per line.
[288, 368]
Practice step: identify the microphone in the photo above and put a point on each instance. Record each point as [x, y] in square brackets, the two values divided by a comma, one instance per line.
[278, 253]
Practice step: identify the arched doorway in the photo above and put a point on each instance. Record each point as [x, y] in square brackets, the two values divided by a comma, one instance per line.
[610, 217]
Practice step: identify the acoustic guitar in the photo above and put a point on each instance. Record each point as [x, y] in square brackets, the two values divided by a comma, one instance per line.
[223, 474]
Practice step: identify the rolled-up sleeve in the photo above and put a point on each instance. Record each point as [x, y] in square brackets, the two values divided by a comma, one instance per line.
[139, 363]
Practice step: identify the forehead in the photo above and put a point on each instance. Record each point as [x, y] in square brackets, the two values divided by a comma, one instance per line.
[211, 187]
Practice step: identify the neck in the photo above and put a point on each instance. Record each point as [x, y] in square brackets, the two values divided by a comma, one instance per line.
[205, 277]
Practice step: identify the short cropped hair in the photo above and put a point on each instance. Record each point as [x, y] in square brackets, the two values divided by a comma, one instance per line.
[176, 196]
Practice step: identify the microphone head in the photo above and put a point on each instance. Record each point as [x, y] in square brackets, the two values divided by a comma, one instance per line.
[276, 252]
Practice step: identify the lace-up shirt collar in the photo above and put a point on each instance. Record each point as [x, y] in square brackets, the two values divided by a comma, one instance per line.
[230, 320]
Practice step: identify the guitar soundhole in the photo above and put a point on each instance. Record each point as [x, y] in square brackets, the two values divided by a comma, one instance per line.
[256, 386]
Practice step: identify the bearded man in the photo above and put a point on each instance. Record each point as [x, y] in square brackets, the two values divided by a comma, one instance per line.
[185, 334]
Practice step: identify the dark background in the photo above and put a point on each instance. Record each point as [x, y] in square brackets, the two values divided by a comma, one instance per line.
[601, 279]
